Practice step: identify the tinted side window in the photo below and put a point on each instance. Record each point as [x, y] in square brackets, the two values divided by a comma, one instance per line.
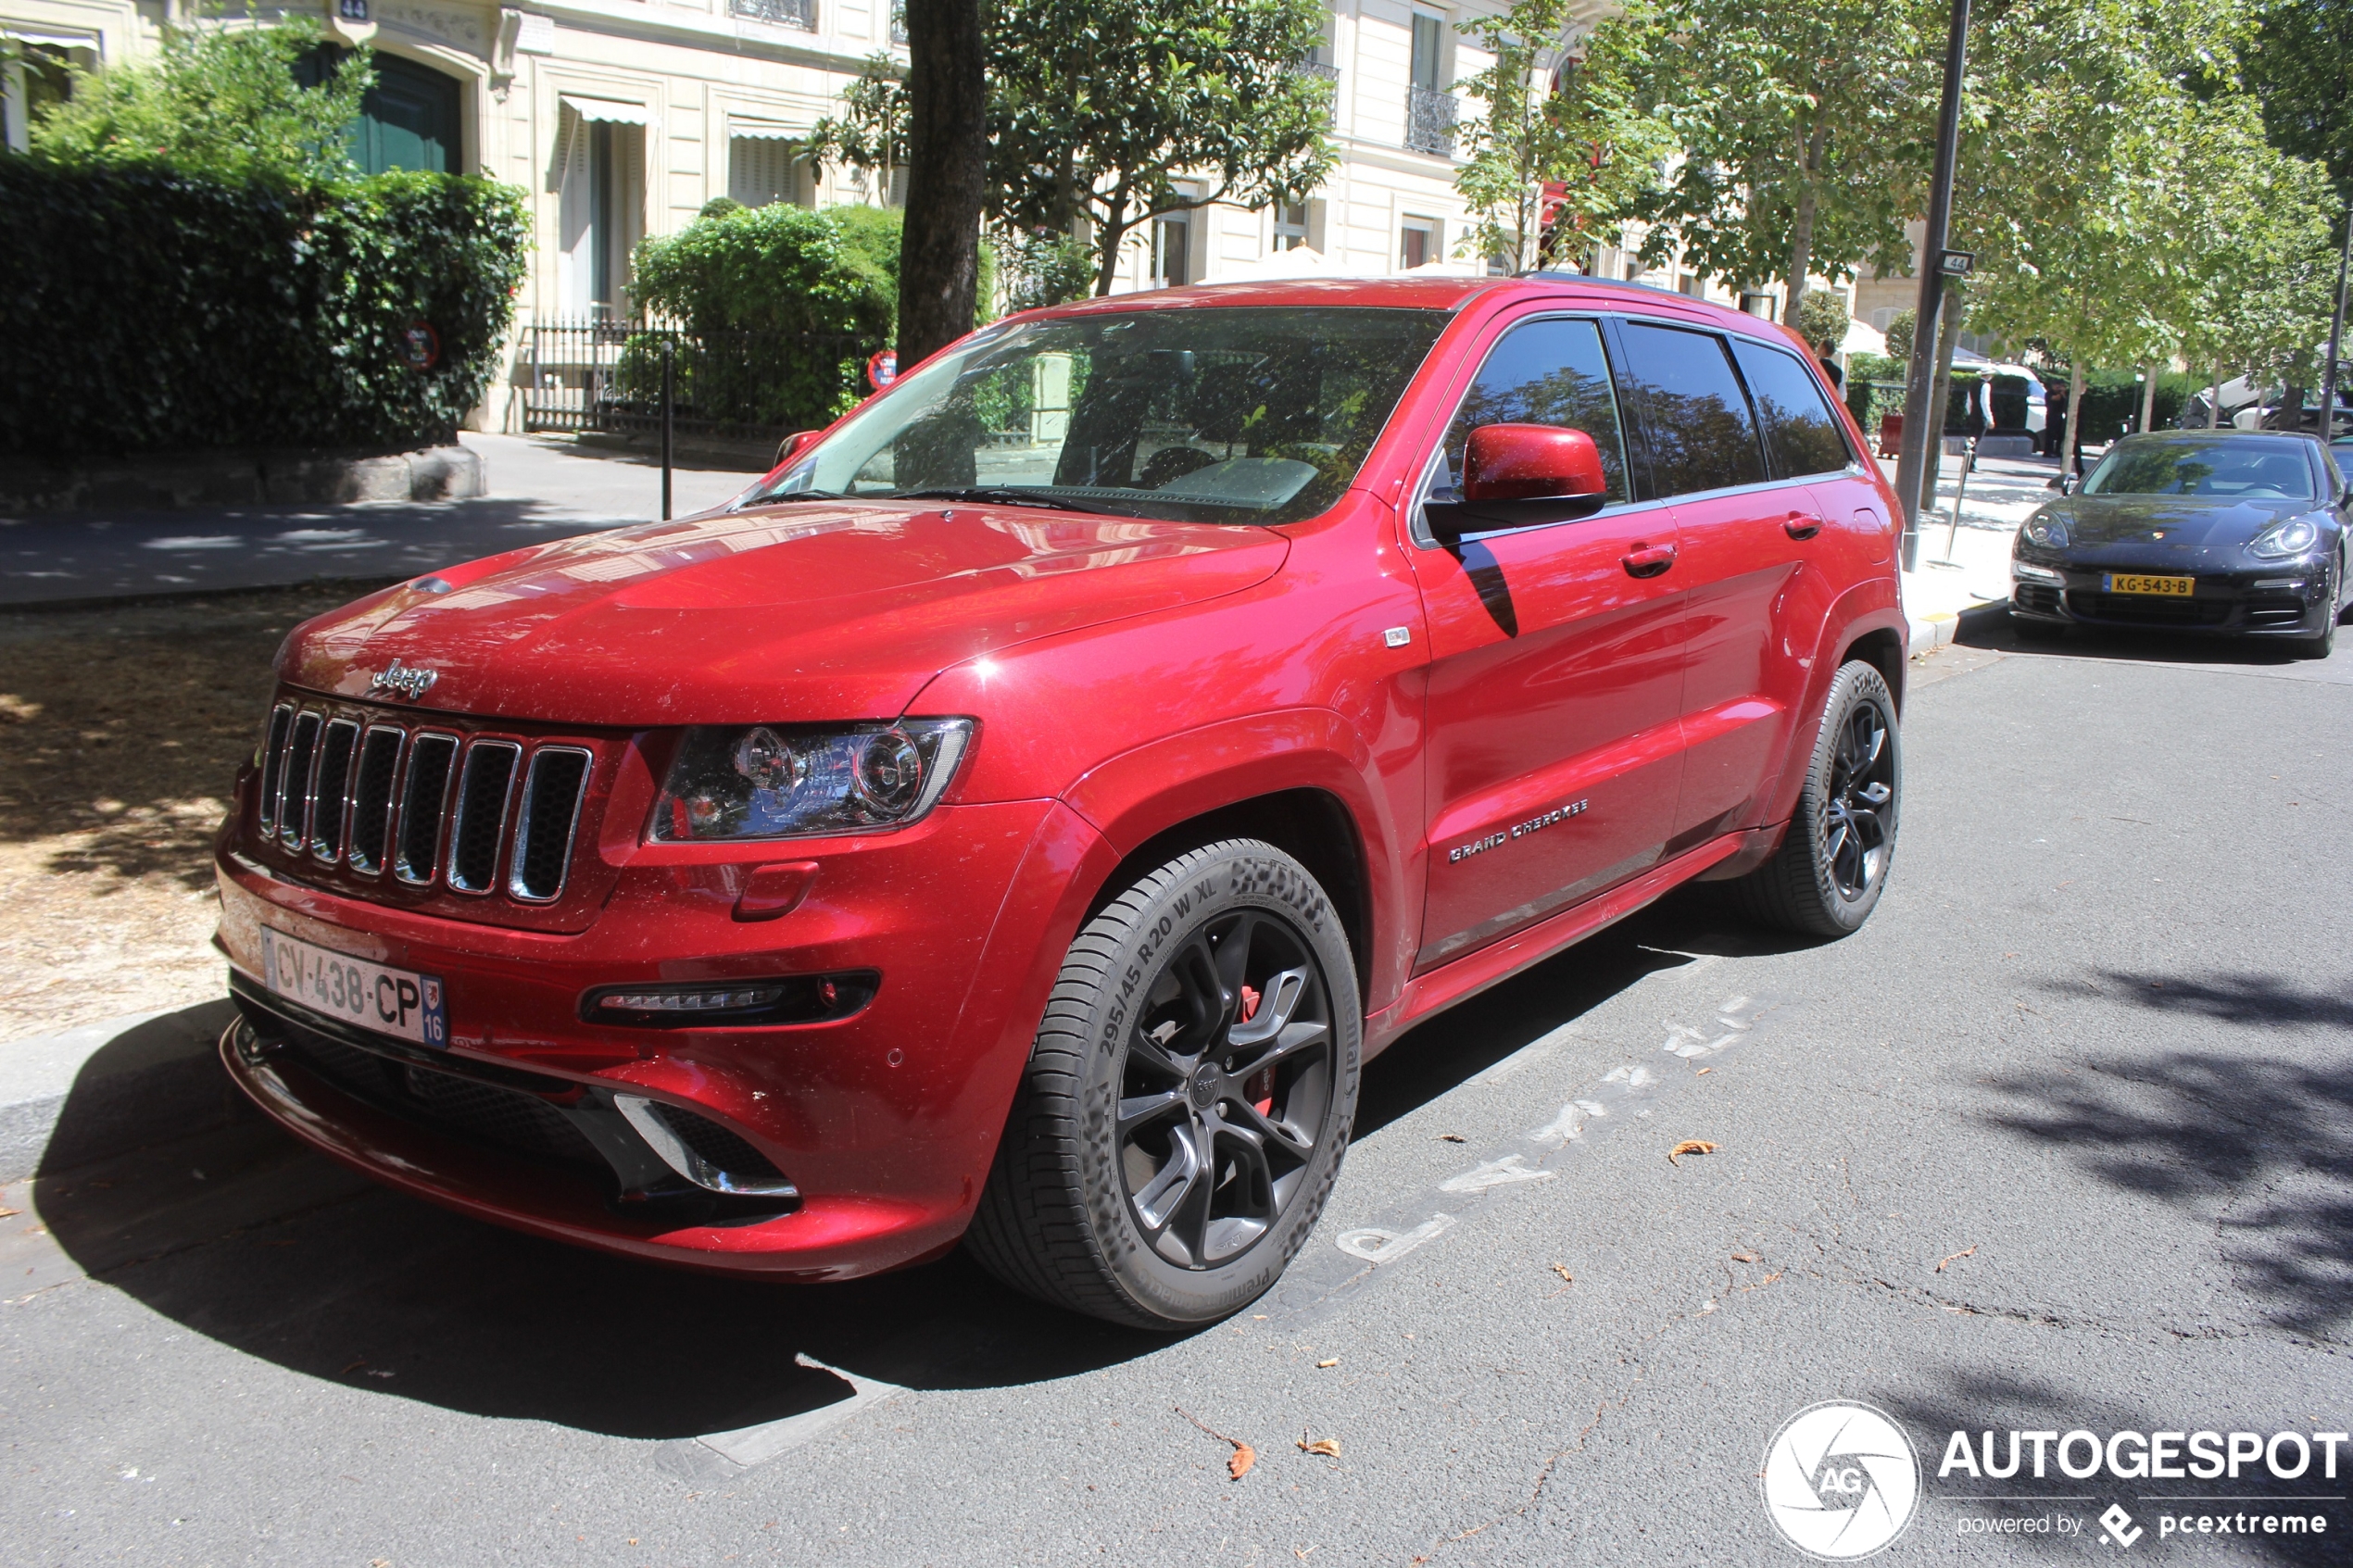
[1702, 435]
[1545, 373]
[1801, 434]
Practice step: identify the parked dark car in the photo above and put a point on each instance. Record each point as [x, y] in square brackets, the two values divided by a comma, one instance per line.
[2197, 530]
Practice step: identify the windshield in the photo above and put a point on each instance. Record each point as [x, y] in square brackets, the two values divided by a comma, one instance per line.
[2241, 468]
[1230, 414]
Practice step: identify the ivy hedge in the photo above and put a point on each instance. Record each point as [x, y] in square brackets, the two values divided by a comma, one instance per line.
[149, 308]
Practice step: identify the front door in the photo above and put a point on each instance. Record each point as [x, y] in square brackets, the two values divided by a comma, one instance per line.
[1554, 751]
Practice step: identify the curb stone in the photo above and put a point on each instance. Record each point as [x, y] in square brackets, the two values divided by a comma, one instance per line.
[108, 1088]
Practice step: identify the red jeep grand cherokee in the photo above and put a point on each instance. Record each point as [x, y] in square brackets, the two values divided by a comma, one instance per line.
[1017, 817]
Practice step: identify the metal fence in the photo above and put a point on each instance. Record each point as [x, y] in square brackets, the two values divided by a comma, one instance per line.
[606, 376]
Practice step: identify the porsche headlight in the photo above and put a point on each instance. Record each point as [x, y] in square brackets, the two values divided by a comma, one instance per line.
[2282, 540]
[2046, 533]
[787, 781]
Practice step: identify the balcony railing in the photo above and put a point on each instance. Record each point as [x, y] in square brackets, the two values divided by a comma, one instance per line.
[1429, 120]
[1317, 69]
[799, 14]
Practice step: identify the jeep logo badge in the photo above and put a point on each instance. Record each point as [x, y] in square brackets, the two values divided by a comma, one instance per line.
[394, 681]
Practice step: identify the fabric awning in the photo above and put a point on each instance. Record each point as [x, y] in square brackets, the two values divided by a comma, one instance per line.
[608, 109]
[763, 130]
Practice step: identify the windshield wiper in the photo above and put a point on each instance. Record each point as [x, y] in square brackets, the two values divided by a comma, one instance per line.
[782, 495]
[1000, 494]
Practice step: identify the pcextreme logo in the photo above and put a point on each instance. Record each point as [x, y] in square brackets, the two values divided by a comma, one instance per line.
[1841, 1481]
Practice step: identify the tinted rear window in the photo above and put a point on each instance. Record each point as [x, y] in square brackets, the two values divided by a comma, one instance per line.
[1802, 435]
[1702, 435]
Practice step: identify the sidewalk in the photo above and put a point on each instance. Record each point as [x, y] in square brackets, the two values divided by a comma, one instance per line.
[1960, 569]
[540, 489]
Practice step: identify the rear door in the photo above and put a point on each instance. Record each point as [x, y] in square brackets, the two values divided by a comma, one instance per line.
[1554, 750]
[1743, 529]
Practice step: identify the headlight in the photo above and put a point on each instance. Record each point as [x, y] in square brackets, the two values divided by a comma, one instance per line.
[783, 780]
[2048, 532]
[2284, 539]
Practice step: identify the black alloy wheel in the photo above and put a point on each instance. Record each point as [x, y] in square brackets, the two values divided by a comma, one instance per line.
[1188, 1099]
[1833, 865]
[1225, 1089]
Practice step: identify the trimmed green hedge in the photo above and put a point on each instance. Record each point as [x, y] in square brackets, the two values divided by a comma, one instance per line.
[155, 310]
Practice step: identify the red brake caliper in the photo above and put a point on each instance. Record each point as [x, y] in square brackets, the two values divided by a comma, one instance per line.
[1260, 1090]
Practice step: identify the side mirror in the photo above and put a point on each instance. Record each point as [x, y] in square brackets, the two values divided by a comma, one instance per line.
[1515, 475]
[2064, 484]
[795, 445]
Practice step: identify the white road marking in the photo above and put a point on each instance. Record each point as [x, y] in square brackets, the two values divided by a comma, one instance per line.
[1568, 1125]
[749, 1445]
[1495, 1174]
[1631, 1076]
[1387, 1247]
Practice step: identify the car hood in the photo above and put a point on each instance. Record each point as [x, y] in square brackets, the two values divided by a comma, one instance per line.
[807, 611]
[2185, 522]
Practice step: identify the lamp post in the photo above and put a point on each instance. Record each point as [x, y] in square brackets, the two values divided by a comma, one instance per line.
[1916, 450]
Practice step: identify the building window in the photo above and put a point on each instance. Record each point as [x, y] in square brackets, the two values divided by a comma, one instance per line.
[1633, 269]
[1884, 316]
[1430, 111]
[1417, 243]
[1291, 225]
[39, 76]
[1322, 60]
[898, 21]
[1759, 304]
[1696, 287]
[764, 167]
[1498, 265]
[799, 15]
[1172, 251]
[601, 204]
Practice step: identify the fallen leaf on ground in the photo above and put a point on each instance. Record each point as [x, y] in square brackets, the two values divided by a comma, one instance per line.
[1954, 1256]
[1327, 1447]
[1562, 1270]
[1244, 1457]
[1334, 1361]
[1450, 1137]
[1703, 1073]
[1744, 1258]
[1689, 1146]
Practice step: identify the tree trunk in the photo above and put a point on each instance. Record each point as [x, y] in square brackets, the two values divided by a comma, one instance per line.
[1948, 332]
[2074, 416]
[947, 175]
[1801, 233]
[2214, 408]
[2149, 401]
[1110, 235]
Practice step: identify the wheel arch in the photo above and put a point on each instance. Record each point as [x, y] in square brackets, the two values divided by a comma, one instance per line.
[1883, 649]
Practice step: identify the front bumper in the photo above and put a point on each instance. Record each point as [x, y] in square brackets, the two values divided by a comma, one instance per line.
[2284, 600]
[883, 1122]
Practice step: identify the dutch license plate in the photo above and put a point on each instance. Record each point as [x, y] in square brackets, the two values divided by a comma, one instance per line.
[2173, 588]
[398, 1002]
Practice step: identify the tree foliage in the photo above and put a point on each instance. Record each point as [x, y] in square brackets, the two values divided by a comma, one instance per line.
[2299, 67]
[1804, 131]
[1562, 151]
[1114, 112]
[870, 135]
[216, 100]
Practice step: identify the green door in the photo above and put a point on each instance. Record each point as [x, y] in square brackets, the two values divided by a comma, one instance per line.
[408, 120]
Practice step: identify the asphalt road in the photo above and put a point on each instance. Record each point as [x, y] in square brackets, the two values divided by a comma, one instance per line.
[2062, 1139]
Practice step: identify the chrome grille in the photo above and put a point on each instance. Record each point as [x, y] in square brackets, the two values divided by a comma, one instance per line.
[435, 807]
[483, 791]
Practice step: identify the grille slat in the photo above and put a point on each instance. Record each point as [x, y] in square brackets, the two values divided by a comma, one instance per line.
[485, 791]
[273, 763]
[294, 781]
[372, 783]
[423, 800]
[331, 790]
[346, 788]
[551, 797]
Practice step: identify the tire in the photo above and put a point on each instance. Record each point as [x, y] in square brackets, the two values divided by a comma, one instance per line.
[1828, 874]
[1164, 1040]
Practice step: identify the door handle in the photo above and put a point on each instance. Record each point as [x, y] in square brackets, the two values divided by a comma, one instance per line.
[1801, 525]
[1649, 561]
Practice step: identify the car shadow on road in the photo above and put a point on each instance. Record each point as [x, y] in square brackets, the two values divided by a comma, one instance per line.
[2263, 1141]
[1989, 627]
[250, 1239]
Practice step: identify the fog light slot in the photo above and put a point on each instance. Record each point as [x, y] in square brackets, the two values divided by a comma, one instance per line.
[798, 998]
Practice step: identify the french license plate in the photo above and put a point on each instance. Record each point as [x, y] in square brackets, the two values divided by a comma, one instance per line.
[398, 1002]
[2172, 587]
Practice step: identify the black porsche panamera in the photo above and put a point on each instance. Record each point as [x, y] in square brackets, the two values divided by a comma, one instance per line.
[2196, 530]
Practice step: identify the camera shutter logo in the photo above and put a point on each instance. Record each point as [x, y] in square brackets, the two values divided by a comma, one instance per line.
[1841, 1481]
